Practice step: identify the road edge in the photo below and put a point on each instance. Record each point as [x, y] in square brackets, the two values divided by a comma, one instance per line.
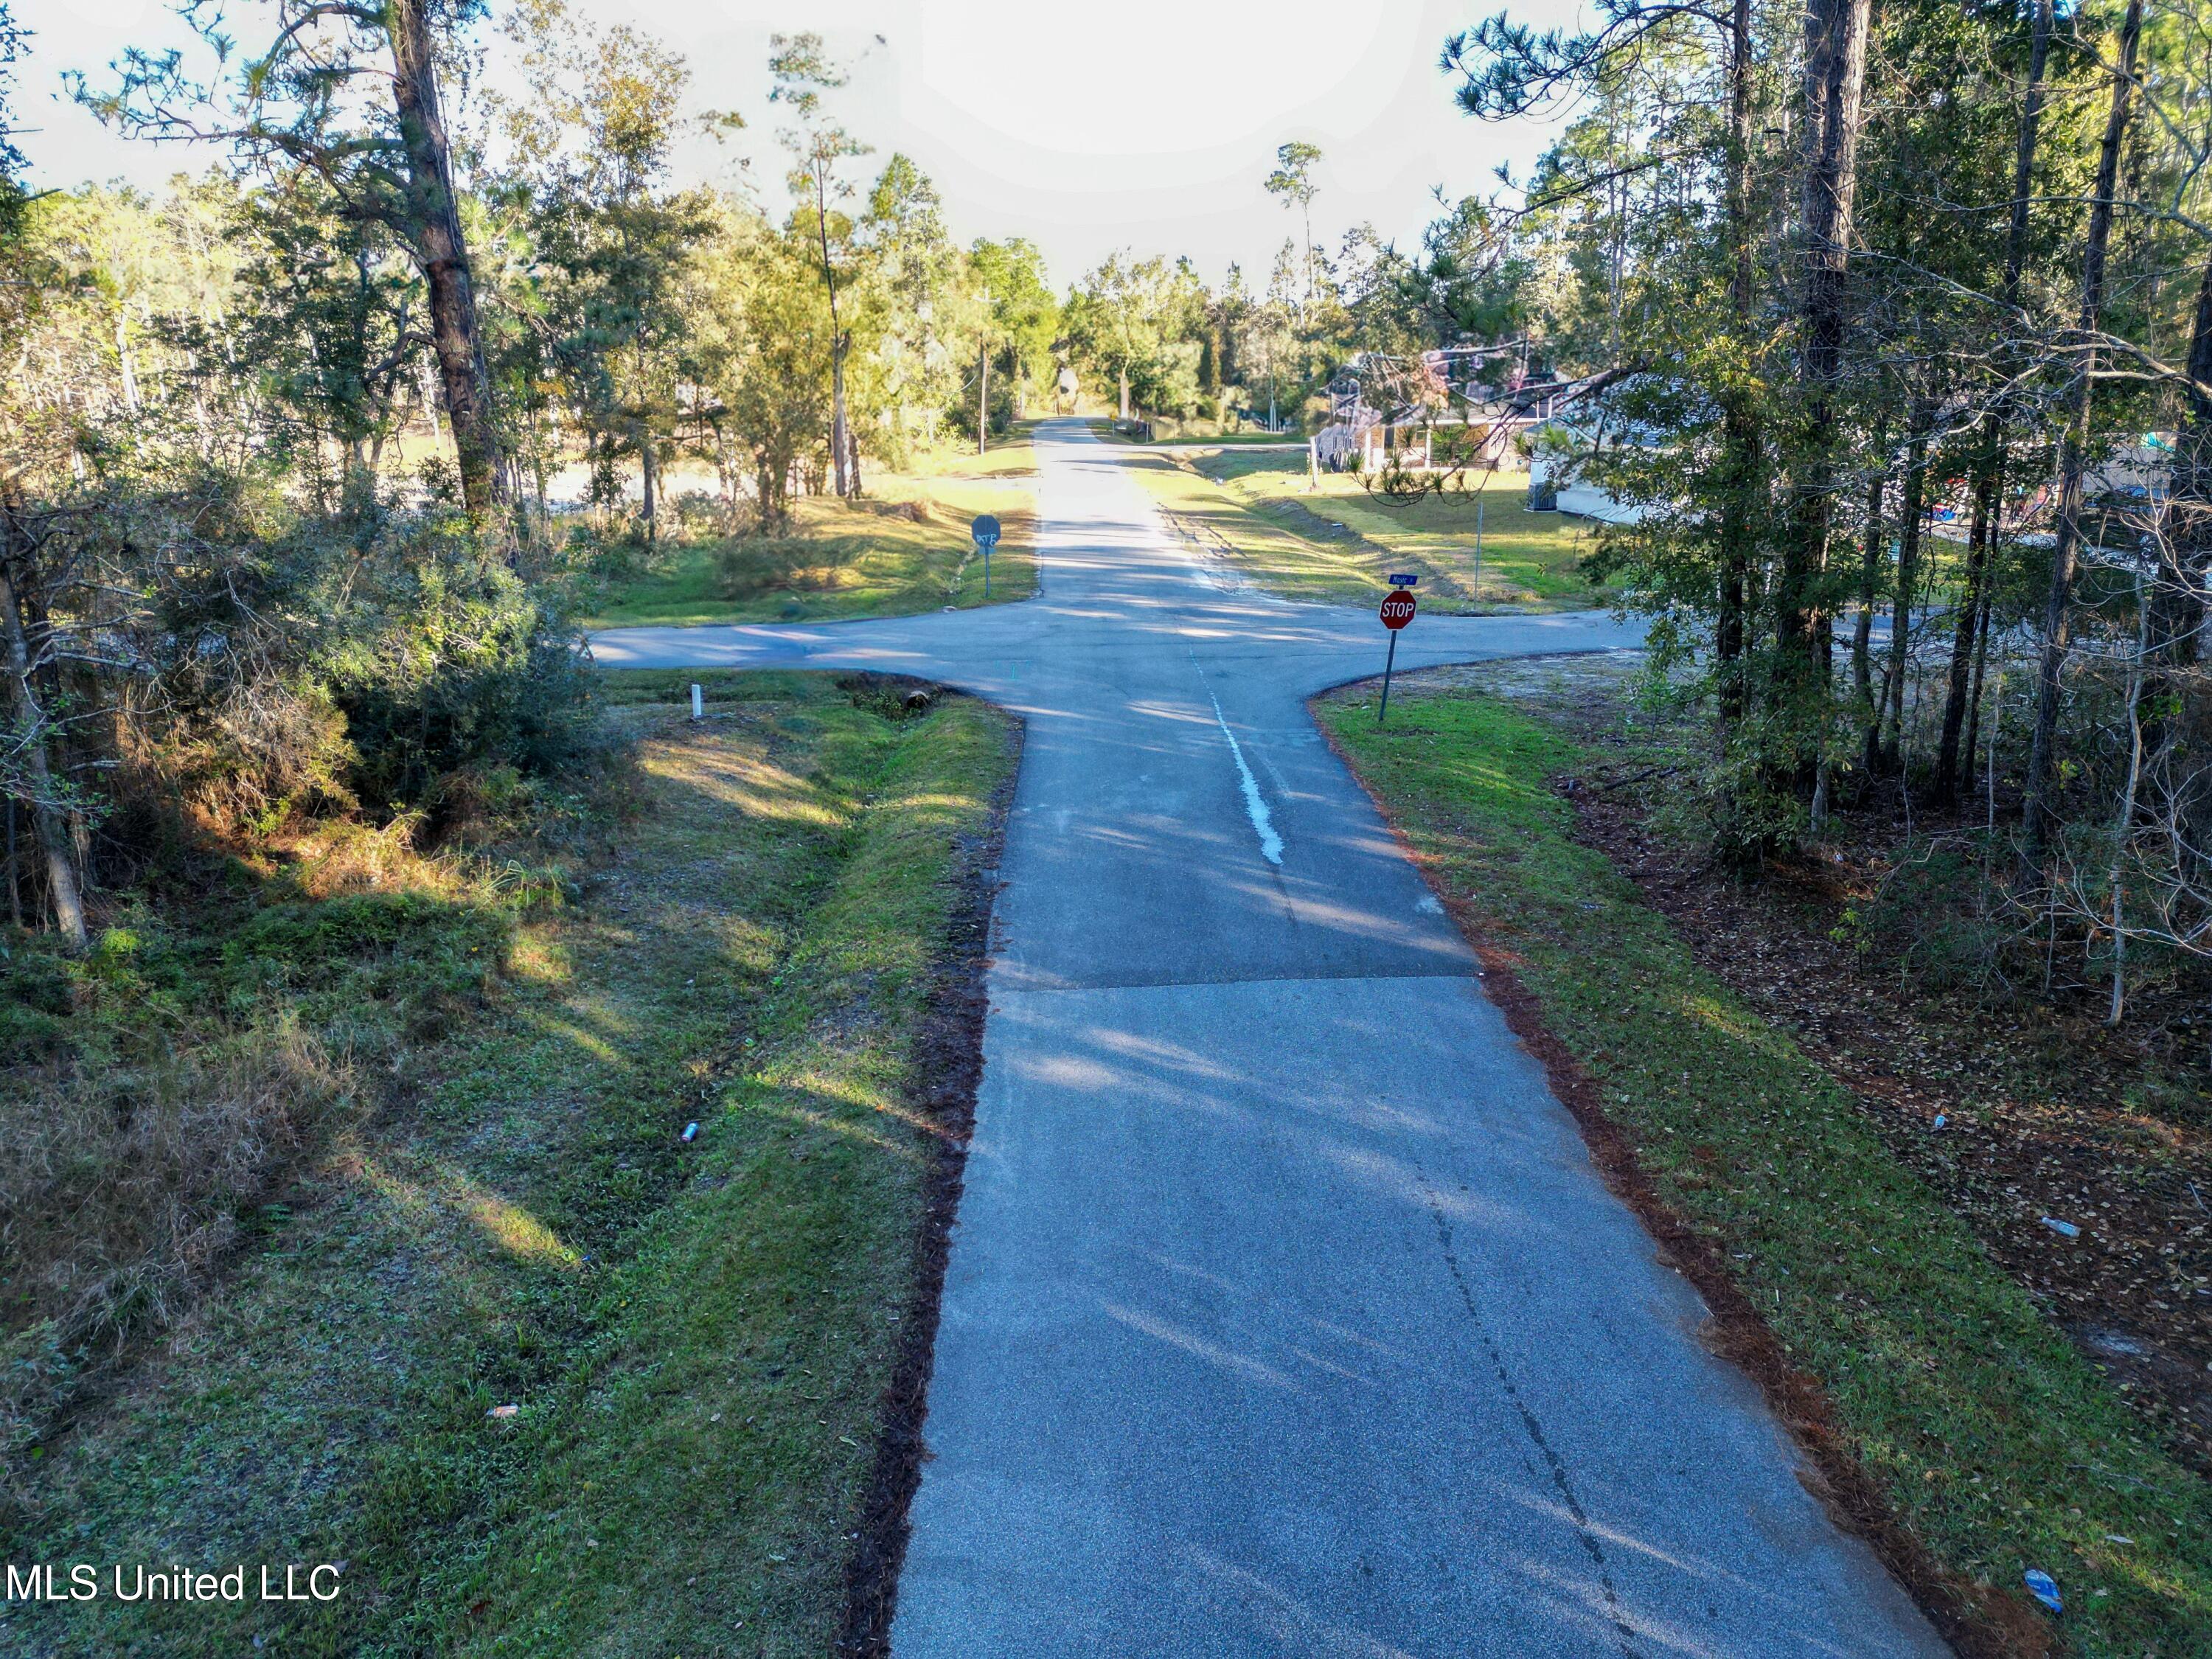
[948, 1068]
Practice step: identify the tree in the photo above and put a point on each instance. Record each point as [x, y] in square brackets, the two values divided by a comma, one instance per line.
[2057, 622]
[1835, 76]
[803, 72]
[926, 324]
[761, 352]
[1137, 322]
[338, 329]
[1024, 314]
[319, 97]
[1292, 184]
[591, 144]
[1989, 465]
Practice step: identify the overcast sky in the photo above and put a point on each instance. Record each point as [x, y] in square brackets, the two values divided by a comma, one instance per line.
[1147, 123]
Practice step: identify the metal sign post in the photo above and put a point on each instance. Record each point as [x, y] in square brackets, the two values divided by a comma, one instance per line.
[985, 529]
[1397, 611]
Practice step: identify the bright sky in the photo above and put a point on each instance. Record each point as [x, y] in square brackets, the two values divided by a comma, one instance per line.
[1147, 123]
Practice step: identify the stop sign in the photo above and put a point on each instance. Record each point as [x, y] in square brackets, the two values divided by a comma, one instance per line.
[1398, 609]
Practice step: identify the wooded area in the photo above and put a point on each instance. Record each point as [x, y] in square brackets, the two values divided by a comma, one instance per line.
[1910, 308]
[1891, 328]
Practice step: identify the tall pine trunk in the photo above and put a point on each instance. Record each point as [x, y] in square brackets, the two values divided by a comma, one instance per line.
[1835, 77]
[2074, 455]
[433, 232]
[841, 437]
[1876, 548]
[1739, 442]
[1912, 513]
[1980, 538]
[1955, 767]
[2178, 614]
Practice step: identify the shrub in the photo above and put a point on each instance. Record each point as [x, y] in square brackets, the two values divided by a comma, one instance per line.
[459, 664]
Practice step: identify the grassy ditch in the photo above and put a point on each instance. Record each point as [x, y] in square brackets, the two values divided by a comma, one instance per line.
[1336, 544]
[1983, 1433]
[904, 548]
[548, 1379]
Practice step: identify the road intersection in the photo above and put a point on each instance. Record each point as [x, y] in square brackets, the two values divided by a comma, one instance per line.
[1285, 1313]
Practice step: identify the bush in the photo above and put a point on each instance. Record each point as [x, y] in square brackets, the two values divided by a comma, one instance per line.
[1926, 919]
[457, 664]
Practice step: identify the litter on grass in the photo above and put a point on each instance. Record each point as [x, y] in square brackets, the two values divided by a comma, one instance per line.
[690, 1131]
[2043, 1589]
[2063, 1229]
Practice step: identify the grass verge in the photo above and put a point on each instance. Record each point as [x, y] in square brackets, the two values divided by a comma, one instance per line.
[902, 548]
[1333, 542]
[1988, 1444]
[695, 1340]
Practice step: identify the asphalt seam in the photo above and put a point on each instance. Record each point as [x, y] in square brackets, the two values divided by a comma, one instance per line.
[1471, 976]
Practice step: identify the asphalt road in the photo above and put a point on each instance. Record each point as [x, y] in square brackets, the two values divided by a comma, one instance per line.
[1285, 1313]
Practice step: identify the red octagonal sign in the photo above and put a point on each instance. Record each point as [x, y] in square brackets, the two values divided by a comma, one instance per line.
[1398, 609]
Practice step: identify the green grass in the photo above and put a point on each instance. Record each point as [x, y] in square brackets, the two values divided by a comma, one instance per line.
[1170, 433]
[1996, 1441]
[1336, 543]
[867, 558]
[696, 1336]
[1010, 454]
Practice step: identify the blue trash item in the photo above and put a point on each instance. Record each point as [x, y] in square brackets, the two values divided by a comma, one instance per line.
[691, 1132]
[2043, 1589]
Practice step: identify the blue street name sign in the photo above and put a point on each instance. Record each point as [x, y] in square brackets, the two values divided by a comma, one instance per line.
[985, 529]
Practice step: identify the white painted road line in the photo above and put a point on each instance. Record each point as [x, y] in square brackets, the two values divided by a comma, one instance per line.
[1255, 808]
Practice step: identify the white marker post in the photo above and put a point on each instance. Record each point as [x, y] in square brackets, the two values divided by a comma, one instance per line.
[698, 704]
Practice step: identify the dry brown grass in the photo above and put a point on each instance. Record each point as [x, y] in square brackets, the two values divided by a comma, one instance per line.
[124, 1193]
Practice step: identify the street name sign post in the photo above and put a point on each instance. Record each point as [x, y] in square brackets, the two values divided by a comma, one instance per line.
[985, 529]
[1397, 611]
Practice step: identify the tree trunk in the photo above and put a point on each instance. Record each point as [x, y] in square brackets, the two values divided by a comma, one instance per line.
[2058, 620]
[840, 436]
[1740, 443]
[2177, 604]
[433, 233]
[1125, 392]
[1877, 546]
[15, 877]
[1835, 77]
[648, 468]
[47, 818]
[1950, 771]
[127, 369]
[982, 396]
[1911, 514]
[1953, 766]
[1973, 746]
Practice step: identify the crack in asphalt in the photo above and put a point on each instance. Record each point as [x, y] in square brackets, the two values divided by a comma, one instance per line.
[1532, 1424]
